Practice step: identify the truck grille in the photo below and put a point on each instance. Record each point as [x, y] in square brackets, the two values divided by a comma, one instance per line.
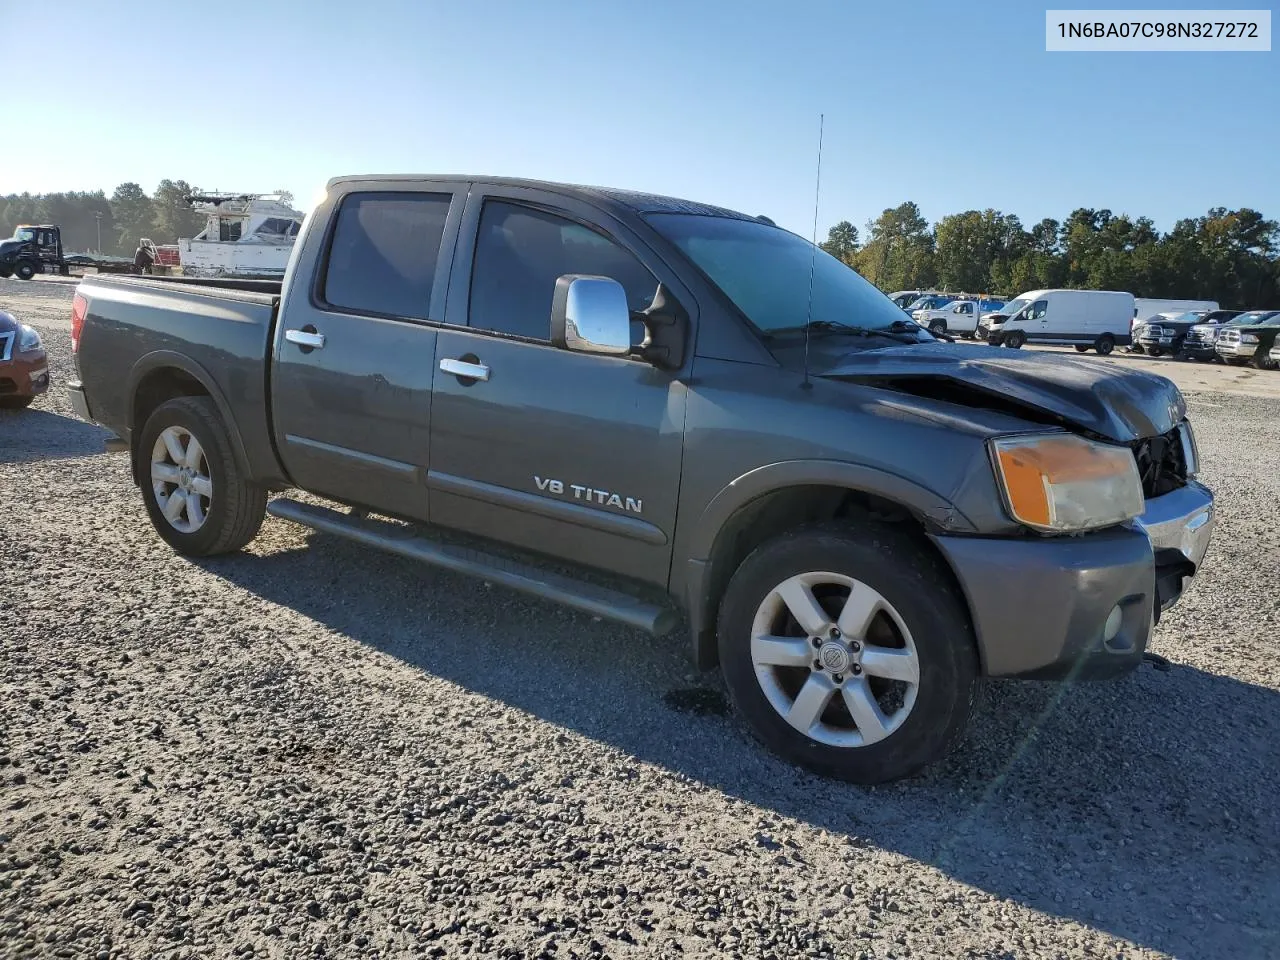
[1230, 336]
[1201, 335]
[1162, 463]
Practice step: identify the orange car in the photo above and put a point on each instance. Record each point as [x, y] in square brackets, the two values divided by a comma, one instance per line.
[24, 366]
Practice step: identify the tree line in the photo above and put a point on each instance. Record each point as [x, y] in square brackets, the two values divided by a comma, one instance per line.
[121, 220]
[1226, 255]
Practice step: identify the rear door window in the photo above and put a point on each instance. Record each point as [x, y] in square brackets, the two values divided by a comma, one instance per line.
[384, 251]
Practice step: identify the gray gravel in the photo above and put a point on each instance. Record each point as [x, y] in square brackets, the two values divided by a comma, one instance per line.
[313, 750]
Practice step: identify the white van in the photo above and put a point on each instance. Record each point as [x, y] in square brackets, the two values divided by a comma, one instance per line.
[1081, 318]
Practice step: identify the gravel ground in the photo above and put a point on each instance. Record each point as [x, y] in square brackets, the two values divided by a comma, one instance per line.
[310, 749]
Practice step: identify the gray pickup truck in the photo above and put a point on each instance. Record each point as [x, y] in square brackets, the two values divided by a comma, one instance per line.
[644, 407]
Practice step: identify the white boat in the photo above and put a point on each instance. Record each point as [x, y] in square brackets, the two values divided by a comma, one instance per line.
[246, 235]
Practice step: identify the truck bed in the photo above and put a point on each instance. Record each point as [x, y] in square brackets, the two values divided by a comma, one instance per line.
[138, 330]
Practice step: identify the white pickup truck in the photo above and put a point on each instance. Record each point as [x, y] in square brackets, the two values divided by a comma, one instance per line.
[958, 316]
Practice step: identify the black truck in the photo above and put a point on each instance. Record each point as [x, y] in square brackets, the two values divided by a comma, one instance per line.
[36, 249]
[651, 410]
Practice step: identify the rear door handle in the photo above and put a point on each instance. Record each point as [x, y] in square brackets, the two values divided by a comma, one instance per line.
[461, 368]
[305, 338]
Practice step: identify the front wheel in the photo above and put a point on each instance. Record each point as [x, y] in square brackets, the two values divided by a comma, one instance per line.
[1155, 352]
[25, 270]
[1106, 343]
[199, 500]
[938, 328]
[1081, 348]
[1262, 360]
[5, 273]
[1015, 340]
[849, 651]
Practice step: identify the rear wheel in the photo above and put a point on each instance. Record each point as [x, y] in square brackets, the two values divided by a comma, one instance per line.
[849, 651]
[25, 270]
[1015, 340]
[1106, 343]
[196, 495]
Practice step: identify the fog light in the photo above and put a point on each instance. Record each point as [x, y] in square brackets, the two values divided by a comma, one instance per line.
[1112, 626]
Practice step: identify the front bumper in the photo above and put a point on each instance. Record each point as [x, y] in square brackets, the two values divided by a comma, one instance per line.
[1236, 348]
[1157, 343]
[1040, 605]
[1200, 349]
[27, 375]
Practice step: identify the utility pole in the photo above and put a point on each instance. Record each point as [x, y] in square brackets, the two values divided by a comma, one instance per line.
[97, 215]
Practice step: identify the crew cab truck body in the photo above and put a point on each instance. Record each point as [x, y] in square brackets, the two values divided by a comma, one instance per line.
[603, 398]
[960, 316]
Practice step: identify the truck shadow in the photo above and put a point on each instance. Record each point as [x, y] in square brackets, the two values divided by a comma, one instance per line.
[1107, 838]
[30, 435]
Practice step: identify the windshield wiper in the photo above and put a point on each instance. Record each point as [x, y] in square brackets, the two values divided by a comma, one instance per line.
[897, 330]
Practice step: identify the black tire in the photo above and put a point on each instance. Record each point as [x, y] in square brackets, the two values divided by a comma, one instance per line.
[1134, 348]
[1106, 343]
[25, 270]
[5, 273]
[237, 506]
[16, 403]
[938, 327]
[924, 596]
[1155, 352]
[1015, 340]
[1261, 360]
[1081, 348]
[1234, 361]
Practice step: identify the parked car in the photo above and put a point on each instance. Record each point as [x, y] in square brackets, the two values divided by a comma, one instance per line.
[1166, 332]
[1145, 308]
[626, 392]
[1201, 338]
[24, 366]
[960, 316]
[930, 301]
[904, 298]
[1081, 318]
[1249, 338]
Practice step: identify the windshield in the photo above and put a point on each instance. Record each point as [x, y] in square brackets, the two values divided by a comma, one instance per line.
[1191, 316]
[1254, 316]
[26, 233]
[765, 270]
[1013, 306]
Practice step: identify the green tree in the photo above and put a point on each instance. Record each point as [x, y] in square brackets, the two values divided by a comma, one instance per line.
[842, 241]
[134, 216]
[899, 253]
[173, 217]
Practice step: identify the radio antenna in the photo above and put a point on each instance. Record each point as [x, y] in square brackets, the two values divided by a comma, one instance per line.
[813, 254]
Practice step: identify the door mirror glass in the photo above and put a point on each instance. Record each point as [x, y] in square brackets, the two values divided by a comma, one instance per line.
[590, 315]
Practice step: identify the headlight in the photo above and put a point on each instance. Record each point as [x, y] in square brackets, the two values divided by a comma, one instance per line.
[28, 339]
[1248, 338]
[1061, 483]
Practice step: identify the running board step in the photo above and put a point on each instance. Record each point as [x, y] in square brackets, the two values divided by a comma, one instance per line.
[590, 598]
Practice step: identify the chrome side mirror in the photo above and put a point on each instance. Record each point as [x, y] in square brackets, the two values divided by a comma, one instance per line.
[590, 315]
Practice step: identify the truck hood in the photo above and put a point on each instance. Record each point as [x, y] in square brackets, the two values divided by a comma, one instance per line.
[1104, 399]
[8, 246]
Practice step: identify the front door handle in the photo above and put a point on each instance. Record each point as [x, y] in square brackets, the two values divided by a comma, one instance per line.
[461, 368]
[305, 338]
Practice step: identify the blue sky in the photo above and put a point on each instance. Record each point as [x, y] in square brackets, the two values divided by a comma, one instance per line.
[955, 106]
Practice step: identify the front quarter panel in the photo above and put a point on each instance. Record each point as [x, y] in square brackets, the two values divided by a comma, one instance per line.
[750, 429]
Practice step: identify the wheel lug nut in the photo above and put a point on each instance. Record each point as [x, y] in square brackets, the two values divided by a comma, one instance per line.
[856, 670]
[838, 678]
[817, 664]
[816, 641]
[855, 645]
[835, 633]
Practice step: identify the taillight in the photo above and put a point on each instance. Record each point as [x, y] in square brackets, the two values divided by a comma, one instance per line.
[79, 307]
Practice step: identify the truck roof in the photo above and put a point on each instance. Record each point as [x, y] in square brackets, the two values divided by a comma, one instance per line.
[633, 201]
